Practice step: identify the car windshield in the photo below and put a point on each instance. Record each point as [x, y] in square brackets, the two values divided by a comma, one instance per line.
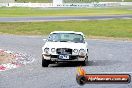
[66, 37]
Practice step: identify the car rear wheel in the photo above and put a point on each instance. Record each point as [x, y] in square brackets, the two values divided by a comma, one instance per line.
[45, 63]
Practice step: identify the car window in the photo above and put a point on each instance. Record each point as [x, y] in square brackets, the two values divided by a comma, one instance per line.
[66, 37]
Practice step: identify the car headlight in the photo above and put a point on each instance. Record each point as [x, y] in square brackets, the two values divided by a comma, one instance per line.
[82, 52]
[75, 50]
[46, 50]
[53, 50]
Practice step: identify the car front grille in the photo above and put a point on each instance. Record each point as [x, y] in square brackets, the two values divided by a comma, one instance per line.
[64, 51]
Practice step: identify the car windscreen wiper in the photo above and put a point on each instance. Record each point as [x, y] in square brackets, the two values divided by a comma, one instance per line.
[63, 41]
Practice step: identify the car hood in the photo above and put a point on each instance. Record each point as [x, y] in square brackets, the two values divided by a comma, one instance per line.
[70, 45]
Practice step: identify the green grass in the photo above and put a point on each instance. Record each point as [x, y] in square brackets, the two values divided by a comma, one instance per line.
[118, 28]
[87, 1]
[18, 12]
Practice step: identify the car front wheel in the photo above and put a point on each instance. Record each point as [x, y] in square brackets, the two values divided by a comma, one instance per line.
[84, 63]
[45, 63]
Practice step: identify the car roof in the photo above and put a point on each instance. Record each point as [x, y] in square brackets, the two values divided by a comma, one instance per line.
[67, 32]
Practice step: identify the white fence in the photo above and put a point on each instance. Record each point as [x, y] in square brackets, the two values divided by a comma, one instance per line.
[30, 5]
[78, 5]
[88, 5]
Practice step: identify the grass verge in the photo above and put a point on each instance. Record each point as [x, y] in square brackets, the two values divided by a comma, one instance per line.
[117, 28]
[19, 12]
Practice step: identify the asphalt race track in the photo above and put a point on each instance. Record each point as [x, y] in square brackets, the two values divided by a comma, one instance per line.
[105, 56]
[62, 18]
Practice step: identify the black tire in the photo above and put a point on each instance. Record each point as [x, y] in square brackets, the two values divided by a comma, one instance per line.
[84, 63]
[45, 63]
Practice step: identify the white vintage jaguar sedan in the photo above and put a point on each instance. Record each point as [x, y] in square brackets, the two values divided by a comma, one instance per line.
[64, 46]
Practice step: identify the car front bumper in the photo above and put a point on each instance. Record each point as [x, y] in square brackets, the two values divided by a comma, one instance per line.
[55, 58]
